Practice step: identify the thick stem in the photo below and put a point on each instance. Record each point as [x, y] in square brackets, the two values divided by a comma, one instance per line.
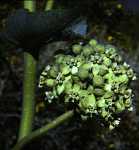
[30, 5]
[29, 86]
[49, 5]
[43, 130]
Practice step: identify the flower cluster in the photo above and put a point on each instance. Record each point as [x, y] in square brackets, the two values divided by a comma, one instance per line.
[92, 77]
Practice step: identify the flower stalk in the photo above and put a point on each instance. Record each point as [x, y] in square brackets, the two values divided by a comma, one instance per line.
[43, 130]
[49, 5]
[29, 85]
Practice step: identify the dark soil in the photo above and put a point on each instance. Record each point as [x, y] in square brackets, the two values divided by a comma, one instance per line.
[72, 135]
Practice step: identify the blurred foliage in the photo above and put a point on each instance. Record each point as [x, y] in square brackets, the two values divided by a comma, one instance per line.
[108, 18]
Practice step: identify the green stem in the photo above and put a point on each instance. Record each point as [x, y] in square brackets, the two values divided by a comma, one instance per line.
[30, 5]
[43, 130]
[29, 85]
[28, 95]
[49, 5]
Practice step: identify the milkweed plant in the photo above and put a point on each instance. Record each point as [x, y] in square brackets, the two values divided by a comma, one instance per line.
[93, 79]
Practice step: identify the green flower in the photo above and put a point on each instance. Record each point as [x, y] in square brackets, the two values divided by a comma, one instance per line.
[93, 78]
[76, 48]
[120, 105]
[60, 89]
[76, 87]
[108, 87]
[104, 113]
[101, 103]
[128, 102]
[64, 69]
[108, 94]
[88, 104]
[98, 92]
[96, 69]
[73, 94]
[122, 79]
[74, 70]
[110, 49]
[128, 93]
[87, 50]
[75, 79]
[84, 93]
[53, 72]
[130, 73]
[110, 77]
[87, 66]
[50, 82]
[117, 58]
[68, 86]
[93, 42]
[98, 81]
[90, 89]
[42, 81]
[100, 48]
[83, 73]
[103, 70]
[107, 61]
[59, 58]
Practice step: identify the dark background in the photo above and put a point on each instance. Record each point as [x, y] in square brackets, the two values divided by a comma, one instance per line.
[107, 22]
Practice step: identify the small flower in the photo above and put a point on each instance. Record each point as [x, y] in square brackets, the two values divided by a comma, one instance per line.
[74, 70]
[64, 69]
[100, 48]
[119, 6]
[107, 61]
[116, 122]
[50, 83]
[109, 38]
[98, 81]
[93, 42]
[83, 73]
[98, 92]
[53, 71]
[76, 48]
[101, 103]
[60, 89]
[88, 104]
[87, 50]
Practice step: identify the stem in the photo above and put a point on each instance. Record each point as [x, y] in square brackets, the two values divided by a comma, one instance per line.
[29, 85]
[30, 5]
[43, 130]
[28, 95]
[49, 5]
